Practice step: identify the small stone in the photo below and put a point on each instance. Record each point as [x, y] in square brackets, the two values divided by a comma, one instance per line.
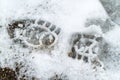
[7, 74]
[48, 39]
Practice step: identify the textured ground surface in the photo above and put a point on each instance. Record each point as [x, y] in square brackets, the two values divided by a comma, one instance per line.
[86, 26]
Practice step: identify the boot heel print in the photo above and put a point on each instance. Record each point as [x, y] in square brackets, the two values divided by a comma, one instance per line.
[86, 47]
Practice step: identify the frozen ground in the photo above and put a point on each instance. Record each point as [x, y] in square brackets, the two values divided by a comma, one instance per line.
[112, 7]
[71, 16]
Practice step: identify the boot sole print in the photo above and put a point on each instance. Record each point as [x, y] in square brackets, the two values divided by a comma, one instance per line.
[34, 33]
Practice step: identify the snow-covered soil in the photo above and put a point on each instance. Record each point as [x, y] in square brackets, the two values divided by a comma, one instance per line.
[72, 16]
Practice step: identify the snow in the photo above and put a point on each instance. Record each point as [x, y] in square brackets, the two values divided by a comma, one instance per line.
[70, 16]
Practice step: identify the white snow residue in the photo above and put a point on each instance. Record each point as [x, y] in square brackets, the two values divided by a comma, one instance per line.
[70, 16]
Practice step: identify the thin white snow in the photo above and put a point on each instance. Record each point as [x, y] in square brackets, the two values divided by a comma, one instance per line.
[70, 16]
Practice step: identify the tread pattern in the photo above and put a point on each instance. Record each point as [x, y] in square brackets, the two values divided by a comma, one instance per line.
[35, 33]
[86, 47]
